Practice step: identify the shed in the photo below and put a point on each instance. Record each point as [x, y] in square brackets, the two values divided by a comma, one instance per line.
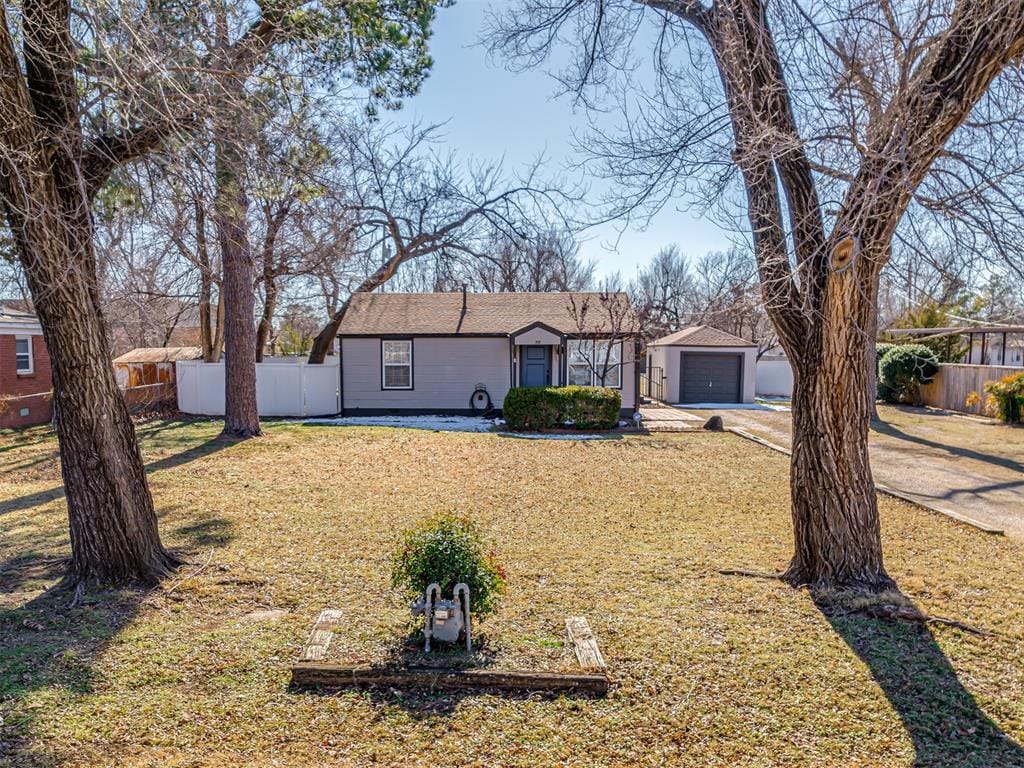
[151, 365]
[701, 364]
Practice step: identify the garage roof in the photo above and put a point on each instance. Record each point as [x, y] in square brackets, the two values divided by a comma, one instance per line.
[701, 336]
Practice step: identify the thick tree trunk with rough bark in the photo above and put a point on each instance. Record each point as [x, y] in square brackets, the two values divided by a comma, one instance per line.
[836, 530]
[44, 186]
[114, 537]
[241, 418]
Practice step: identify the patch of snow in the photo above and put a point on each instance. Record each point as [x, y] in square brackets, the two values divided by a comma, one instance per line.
[434, 423]
[728, 407]
[558, 436]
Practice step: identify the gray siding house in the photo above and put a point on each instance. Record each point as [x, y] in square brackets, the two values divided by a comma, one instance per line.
[460, 352]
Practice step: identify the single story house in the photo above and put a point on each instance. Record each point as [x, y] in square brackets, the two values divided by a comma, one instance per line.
[25, 384]
[460, 352]
[701, 364]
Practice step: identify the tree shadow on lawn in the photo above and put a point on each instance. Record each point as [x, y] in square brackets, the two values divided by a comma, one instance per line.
[196, 451]
[890, 430]
[944, 722]
[49, 648]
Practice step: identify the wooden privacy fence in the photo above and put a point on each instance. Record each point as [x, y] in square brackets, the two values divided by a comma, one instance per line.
[954, 382]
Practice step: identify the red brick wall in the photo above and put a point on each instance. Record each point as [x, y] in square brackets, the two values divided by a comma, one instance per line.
[30, 390]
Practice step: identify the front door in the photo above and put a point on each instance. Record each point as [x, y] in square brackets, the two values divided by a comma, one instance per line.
[535, 367]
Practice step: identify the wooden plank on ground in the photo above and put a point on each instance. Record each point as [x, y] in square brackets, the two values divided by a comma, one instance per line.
[320, 638]
[584, 643]
[338, 675]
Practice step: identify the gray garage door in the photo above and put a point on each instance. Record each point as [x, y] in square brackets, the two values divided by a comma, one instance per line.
[708, 377]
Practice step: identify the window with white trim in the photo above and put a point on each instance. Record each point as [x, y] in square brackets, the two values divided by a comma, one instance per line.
[23, 354]
[396, 364]
[595, 364]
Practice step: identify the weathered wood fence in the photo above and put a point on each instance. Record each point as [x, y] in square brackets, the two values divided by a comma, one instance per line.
[955, 382]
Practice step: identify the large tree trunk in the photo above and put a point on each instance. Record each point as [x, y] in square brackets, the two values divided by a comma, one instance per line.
[114, 537]
[837, 537]
[241, 418]
[113, 525]
[836, 530]
[44, 193]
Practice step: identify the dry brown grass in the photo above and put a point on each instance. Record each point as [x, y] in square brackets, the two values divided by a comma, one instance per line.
[709, 670]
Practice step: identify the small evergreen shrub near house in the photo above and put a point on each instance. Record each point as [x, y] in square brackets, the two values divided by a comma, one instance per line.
[1006, 398]
[590, 407]
[903, 369]
[449, 549]
[533, 408]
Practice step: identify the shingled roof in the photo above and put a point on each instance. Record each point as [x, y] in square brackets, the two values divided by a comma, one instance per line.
[701, 336]
[491, 314]
[159, 355]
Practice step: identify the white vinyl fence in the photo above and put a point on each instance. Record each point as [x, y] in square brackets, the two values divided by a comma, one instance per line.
[774, 377]
[285, 386]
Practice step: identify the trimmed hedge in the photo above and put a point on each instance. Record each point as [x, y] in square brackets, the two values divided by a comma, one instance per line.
[533, 408]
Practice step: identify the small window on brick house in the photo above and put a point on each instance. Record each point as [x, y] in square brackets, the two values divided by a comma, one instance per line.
[23, 354]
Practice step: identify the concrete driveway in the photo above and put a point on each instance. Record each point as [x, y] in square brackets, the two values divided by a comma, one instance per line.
[965, 465]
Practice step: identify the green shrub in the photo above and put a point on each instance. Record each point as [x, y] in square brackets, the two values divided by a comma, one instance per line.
[903, 369]
[881, 390]
[448, 549]
[532, 408]
[1006, 397]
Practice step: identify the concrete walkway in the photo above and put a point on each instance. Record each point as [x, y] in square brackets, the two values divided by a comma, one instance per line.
[967, 466]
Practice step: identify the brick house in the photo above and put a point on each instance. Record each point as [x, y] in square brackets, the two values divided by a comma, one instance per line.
[25, 385]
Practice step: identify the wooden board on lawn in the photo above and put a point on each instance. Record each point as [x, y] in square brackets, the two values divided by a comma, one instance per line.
[584, 643]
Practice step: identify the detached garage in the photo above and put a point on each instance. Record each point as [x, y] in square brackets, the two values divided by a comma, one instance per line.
[702, 364]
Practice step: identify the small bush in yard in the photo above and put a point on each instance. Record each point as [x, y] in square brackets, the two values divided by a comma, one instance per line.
[449, 549]
[1006, 398]
[532, 408]
[902, 371]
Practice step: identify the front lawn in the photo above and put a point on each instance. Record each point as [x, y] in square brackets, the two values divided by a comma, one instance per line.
[709, 670]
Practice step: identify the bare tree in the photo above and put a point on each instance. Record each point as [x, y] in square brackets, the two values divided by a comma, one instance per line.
[604, 322]
[881, 93]
[74, 106]
[408, 204]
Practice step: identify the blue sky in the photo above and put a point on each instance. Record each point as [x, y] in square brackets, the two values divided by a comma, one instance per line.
[491, 112]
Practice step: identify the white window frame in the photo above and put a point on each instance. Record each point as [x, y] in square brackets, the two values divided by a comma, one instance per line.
[385, 365]
[17, 356]
[591, 359]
